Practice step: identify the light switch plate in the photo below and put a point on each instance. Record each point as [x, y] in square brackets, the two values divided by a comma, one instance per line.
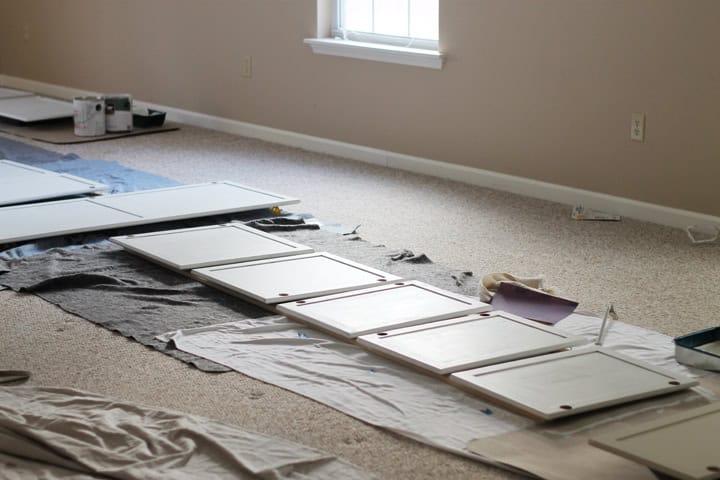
[637, 127]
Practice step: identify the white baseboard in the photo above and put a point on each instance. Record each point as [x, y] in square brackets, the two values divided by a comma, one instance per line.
[625, 207]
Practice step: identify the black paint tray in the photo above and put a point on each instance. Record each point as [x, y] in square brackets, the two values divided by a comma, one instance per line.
[153, 118]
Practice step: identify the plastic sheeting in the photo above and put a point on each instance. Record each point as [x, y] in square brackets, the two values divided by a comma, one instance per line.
[381, 392]
[119, 178]
[29, 154]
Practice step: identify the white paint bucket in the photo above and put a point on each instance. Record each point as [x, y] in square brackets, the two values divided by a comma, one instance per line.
[118, 113]
[89, 116]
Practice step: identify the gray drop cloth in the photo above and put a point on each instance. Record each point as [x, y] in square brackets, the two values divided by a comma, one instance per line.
[123, 293]
[108, 286]
[55, 433]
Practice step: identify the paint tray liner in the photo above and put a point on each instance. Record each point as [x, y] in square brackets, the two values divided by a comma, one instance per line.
[699, 349]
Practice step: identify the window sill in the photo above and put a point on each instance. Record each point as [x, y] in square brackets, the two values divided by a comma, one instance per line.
[374, 51]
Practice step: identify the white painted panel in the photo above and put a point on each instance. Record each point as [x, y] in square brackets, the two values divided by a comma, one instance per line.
[13, 171]
[64, 217]
[293, 278]
[207, 246]
[218, 197]
[11, 93]
[568, 383]
[21, 183]
[34, 109]
[371, 310]
[476, 340]
[685, 445]
[28, 222]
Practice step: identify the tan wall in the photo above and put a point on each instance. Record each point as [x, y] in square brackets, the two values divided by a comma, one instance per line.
[538, 88]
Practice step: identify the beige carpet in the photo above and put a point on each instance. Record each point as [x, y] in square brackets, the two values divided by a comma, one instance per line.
[655, 277]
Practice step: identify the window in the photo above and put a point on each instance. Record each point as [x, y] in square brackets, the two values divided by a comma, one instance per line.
[393, 31]
[404, 23]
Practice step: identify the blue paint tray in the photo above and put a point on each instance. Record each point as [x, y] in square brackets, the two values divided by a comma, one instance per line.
[699, 349]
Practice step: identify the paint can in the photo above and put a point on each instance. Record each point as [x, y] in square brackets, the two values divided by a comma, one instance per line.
[89, 116]
[118, 113]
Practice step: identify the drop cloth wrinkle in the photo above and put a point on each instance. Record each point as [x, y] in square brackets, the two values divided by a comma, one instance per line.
[56, 433]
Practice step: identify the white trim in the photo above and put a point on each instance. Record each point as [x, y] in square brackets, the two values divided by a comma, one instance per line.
[417, 57]
[626, 207]
[391, 40]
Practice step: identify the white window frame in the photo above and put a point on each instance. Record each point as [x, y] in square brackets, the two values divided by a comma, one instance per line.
[376, 47]
[398, 41]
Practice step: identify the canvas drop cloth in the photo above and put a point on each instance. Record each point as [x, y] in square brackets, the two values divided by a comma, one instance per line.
[63, 434]
[425, 408]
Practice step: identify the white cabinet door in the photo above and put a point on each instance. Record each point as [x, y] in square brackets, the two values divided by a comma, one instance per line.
[568, 383]
[34, 109]
[192, 200]
[461, 343]
[21, 183]
[39, 220]
[11, 93]
[396, 305]
[293, 278]
[685, 445]
[189, 248]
